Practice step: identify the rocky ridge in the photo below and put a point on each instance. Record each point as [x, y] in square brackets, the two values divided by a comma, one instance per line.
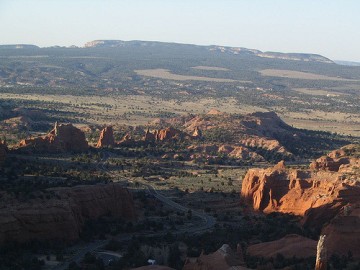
[214, 48]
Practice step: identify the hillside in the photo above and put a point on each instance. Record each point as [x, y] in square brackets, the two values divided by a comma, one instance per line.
[302, 88]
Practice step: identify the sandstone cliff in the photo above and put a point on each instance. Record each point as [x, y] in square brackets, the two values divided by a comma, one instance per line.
[62, 216]
[328, 192]
[63, 138]
[106, 137]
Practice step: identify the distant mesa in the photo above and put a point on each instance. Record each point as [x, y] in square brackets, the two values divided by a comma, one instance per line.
[62, 138]
[19, 46]
[306, 57]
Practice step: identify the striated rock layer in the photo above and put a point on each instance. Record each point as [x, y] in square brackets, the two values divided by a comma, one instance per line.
[63, 138]
[106, 137]
[328, 192]
[62, 216]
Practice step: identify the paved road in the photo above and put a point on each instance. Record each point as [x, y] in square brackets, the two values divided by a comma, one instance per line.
[208, 221]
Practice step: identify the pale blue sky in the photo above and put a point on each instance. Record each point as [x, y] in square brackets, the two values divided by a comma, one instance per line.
[327, 27]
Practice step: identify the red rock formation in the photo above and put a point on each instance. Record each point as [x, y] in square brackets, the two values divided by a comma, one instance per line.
[343, 232]
[106, 137]
[166, 134]
[63, 138]
[62, 216]
[317, 196]
[289, 246]
[265, 143]
[331, 162]
[223, 259]
[321, 196]
[197, 133]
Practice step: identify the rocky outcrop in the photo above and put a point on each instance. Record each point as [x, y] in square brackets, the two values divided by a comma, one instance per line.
[264, 143]
[197, 133]
[239, 152]
[63, 138]
[106, 137]
[222, 259]
[343, 232]
[62, 216]
[289, 246]
[331, 162]
[320, 196]
[167, 134]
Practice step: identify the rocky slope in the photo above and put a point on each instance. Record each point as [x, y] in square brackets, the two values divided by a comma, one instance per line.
[328, 192]
[63, 138]
[62, 216]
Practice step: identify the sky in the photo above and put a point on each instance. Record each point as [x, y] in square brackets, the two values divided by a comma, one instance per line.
[326, 27]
